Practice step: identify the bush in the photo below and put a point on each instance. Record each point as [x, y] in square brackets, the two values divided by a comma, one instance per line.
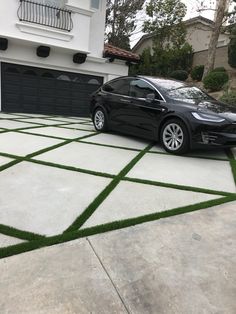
[219, 69]
[180, 75]
[197, 73]
[229, 98]
[232, 49]
[214, 81]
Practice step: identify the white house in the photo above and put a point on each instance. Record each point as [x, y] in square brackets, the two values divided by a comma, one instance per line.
[52, 55]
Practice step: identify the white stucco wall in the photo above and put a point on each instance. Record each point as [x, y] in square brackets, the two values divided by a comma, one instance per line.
[87, 34]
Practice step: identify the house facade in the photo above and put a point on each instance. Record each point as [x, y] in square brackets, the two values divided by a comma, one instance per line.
[199, 30]
[52, 55]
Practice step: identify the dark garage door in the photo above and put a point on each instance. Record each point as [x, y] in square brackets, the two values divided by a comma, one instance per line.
[37, 90]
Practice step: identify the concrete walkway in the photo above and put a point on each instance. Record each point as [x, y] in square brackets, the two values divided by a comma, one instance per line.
[60, 180]
[184, 264]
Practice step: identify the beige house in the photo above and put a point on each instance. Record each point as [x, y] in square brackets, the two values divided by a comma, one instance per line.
[199, 30]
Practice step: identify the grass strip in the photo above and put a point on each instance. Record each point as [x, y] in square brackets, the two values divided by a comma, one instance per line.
[178, 187]
[16, 233]
[232, 162]
[111, 146]
[10, 164]
[76, 234]
[103, 195]
[44, 135]
[70, 168]
[44, 150]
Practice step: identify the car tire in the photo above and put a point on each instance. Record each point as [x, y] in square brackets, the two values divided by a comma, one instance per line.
[175, 137]
[100, 120]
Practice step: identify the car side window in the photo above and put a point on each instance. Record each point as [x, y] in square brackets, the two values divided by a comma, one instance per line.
[120, 87]
[140, 89]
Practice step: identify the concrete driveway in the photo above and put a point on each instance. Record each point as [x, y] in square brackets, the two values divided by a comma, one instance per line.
[61, 181]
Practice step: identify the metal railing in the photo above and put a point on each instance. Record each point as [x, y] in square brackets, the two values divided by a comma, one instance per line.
[38, 13]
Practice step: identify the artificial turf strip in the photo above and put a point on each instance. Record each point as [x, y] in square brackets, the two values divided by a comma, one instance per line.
[111, 146]
[76, 234]
[108, 189]
[16, 233]
[70, 168]
[232, 162]
[178, 187]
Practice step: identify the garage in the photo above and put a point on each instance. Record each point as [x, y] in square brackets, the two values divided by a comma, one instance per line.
[38, 90]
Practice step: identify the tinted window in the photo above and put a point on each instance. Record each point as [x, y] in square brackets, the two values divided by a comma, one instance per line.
[188, 93]
[120, 87]
[140, 89]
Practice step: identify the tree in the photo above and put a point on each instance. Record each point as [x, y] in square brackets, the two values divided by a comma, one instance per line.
[165, 23]
[170, 50]
[121, 21]
[219, 19]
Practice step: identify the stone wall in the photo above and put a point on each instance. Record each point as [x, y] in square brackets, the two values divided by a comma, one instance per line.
[221, 58]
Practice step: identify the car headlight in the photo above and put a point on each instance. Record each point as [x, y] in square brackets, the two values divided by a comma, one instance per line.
[207, 117]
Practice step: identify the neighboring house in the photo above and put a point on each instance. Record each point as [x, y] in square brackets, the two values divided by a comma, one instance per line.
[199, 30]
[52, 55]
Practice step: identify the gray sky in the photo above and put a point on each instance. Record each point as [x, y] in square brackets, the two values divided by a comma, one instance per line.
[192, 6]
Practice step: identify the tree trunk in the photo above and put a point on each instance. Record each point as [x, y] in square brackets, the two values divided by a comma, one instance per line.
[221, 10]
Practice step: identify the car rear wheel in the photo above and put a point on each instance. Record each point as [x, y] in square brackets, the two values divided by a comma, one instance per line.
[100, 120]
[175, 137]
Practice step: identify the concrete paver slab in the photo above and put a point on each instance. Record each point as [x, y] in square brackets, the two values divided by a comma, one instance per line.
[9, 124]
[7, 241]
[131, 200]
[219, 154]
[92, 157]
[42, 121]
[175, 265]
[4, 160]
[196, 172]
[59, 132]
[45, 200]
[61, 279]
[119, 140]
[8, 116]
[79, 126]
[24, 144]
[68, 120]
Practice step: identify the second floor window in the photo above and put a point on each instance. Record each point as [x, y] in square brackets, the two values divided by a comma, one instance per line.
[95, 4]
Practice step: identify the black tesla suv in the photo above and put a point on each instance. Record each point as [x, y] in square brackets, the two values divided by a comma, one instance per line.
[178, 115]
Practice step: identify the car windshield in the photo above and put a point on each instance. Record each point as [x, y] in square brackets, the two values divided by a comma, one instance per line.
[188, 92]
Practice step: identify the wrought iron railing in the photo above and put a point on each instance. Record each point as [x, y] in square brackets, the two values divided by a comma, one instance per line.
[38, 13]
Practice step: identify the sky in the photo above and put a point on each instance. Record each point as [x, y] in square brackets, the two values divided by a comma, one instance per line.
[192, 6]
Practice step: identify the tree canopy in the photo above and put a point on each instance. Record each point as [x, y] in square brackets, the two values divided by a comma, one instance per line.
[121, 21]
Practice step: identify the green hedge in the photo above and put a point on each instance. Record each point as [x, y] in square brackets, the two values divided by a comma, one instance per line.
[214, 81]
[197, 73]
[180, 75]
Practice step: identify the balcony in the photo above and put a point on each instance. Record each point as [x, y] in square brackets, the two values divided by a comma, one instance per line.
[45, 15]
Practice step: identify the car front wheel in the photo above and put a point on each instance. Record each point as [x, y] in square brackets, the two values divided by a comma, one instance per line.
[175, 137]
[100, 120]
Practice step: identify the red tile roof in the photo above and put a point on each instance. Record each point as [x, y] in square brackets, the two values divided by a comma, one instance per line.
[118, 53]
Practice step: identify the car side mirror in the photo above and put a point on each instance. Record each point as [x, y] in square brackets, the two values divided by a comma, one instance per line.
[150, 97]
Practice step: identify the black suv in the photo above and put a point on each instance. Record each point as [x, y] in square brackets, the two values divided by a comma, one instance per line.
[178, 115]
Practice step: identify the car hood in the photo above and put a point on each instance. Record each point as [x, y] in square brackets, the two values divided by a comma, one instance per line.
[212, 107]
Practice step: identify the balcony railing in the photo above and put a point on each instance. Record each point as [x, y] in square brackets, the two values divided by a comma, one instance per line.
[46, 15]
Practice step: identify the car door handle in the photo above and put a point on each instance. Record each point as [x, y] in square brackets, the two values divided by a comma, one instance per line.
[126, 101]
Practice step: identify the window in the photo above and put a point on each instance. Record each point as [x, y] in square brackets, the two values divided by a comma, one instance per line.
[120, 87]
[95, 4]
[140, 89]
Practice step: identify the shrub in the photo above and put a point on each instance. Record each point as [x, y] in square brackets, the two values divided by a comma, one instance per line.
[214, 81]
[197, 73]
[180, 75]
[232, 49]
[229, 98]
[219, 69]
